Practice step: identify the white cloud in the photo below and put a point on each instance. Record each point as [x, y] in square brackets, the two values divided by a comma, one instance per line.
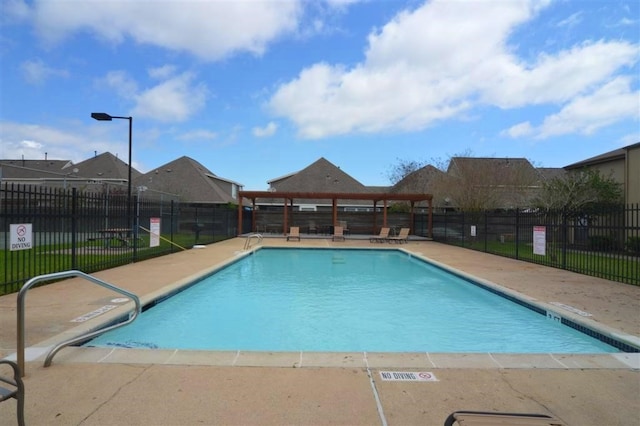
[197, 135]
[438, 62]
[608, 104]
[175, 99]
[37, 72]
[208, 29]
[268, 130]
[33, 141]
[572, 20]
[121, 82]
[519, 130]
[162, 72]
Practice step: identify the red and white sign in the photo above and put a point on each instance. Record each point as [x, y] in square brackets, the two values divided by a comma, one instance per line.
[154, 228]
[539, 240]
[20, 236]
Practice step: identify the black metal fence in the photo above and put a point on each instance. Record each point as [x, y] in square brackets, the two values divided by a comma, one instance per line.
[45, 230]
[604, 243]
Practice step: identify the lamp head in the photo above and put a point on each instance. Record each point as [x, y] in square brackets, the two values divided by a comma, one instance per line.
[101, 116]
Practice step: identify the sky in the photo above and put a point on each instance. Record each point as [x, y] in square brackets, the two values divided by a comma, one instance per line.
[255, 89]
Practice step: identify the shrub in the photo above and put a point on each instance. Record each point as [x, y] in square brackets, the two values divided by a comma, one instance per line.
[602, 242]
[633, 244]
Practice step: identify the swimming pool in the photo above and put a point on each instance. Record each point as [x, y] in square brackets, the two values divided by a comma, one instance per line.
[345, 300]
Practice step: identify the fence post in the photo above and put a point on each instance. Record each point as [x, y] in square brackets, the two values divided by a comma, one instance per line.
[172, 213]
[517, 233]
[74, 227]
[486, 230]
[564, 238]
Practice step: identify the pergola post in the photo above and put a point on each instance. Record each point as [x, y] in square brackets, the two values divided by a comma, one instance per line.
[411, 216]
[335, 211]
[384, 213]
[239, 231]
[286, 216]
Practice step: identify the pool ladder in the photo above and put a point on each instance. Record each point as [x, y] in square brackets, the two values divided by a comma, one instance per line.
[247, 243]
[87, 335]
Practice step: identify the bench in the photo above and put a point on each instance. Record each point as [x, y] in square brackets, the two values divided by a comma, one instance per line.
[15, 391]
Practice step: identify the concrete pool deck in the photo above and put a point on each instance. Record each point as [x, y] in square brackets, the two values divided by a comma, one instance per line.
[94, 386]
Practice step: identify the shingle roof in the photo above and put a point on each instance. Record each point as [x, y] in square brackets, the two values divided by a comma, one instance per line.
[106, 166]
[603, 158]
[320, 176]
[548, 173]
[34, 169]
[418, 181]
[188, 179]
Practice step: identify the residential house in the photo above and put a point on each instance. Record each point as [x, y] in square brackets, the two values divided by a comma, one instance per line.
[190, 181]
[423, 180]
[34, 172]
[490, 183]
[89, 174]
[321, 176]
[622, 164]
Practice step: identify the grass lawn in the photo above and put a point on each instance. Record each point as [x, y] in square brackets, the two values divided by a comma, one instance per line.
[17, 267]
[620, 267]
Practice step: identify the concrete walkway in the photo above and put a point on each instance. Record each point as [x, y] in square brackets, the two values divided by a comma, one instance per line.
[141, 387]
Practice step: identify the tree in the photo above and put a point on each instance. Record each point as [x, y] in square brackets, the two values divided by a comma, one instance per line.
[470, 183]
[473, 183]
[579, 192]
[402, 169]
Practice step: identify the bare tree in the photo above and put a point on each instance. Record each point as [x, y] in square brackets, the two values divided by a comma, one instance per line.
[470, 183]
[579, 191]
[473, 183]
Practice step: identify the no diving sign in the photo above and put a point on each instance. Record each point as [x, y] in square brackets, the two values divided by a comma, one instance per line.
[408, 376]
[21, 237]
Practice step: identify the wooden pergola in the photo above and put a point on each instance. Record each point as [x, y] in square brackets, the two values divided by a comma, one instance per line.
[288, 198]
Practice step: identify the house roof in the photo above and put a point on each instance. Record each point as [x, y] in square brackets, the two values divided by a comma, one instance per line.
[495, 171]
[34, 169]
[188, 179]
[616, 154]
[548, 173]
[105, 166]
[417, 181]
[321, 176]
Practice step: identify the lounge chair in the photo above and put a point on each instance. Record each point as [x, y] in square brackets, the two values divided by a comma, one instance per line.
[15, 391]
[345, 228]
[483, 418]
[294, 233]
[338, 233]
[382, 237]
[313, 229]
[402, 237]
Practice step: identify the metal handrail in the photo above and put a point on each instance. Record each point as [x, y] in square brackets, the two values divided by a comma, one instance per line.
[55, 349]
[247, 243]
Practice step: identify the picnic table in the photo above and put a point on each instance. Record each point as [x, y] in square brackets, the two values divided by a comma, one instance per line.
[122, 235]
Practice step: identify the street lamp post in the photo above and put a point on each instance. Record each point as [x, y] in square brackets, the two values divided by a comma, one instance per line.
[103, 116]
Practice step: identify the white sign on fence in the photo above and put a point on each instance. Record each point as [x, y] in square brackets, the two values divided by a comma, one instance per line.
[154, 227]
[21, 236]
[539, 240]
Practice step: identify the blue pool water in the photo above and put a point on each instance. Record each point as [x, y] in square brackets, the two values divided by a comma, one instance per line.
[344, 300]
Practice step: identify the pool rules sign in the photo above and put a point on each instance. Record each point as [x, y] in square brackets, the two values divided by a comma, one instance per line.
[20, 236]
